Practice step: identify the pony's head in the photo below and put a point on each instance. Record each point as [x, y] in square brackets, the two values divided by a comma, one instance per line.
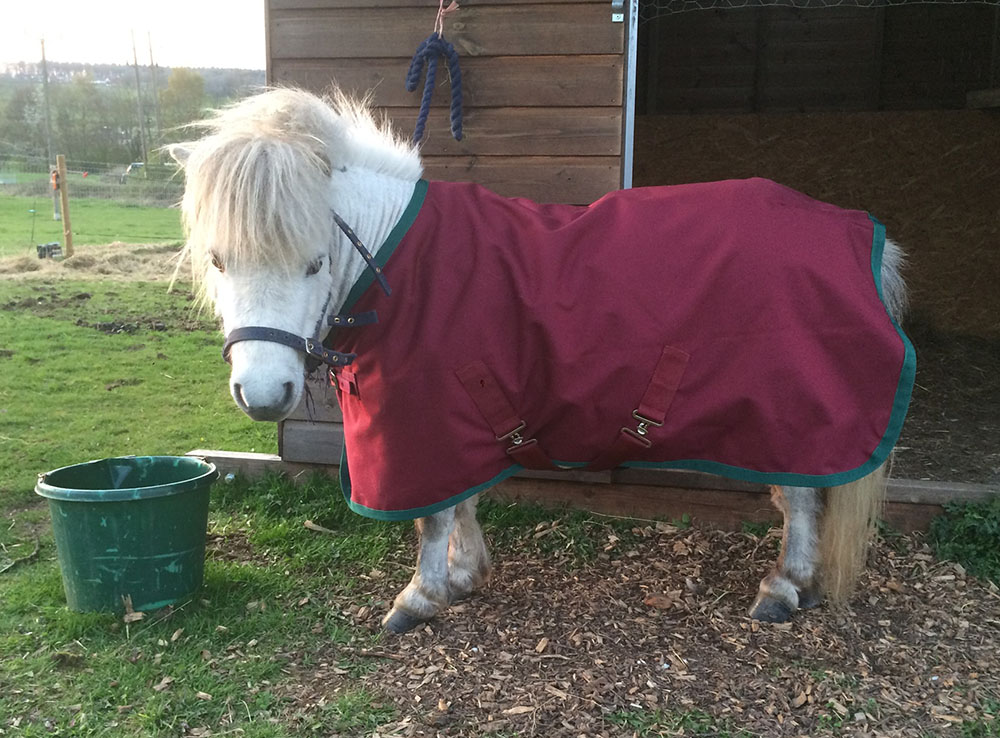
[261, 237]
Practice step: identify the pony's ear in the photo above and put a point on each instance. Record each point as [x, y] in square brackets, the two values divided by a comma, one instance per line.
[180, 152]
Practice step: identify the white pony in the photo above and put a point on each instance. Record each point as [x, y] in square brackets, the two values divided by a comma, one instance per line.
[264, 189]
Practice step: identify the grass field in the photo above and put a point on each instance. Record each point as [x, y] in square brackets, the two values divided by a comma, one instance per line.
[91, 369]
[93, 221]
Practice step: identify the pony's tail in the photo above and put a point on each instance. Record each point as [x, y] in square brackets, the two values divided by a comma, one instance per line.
[849, 521]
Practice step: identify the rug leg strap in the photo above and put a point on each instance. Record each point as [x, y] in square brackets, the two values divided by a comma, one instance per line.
[507, 425]
[652, 411]
[496, 409]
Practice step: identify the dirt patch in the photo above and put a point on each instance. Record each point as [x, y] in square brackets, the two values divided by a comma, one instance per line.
[53, 301]
[115, 261]
[117, 326]
[548, 649]
[131, 382]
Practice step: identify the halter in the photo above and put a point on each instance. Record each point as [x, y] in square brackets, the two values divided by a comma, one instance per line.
[316, 353]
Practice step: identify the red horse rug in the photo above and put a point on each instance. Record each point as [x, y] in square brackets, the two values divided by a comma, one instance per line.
[733, 327]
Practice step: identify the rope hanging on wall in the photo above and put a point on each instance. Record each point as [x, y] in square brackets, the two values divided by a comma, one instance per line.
[428, 52]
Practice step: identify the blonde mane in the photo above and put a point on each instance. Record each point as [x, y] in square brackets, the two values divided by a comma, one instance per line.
[258, 182]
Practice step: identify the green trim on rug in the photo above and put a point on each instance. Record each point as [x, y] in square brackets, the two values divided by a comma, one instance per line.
[388, 247]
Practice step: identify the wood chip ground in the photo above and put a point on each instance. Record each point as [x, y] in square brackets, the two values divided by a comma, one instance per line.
[551, 648]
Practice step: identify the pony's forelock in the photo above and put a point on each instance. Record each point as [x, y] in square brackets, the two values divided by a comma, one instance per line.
[258, 181]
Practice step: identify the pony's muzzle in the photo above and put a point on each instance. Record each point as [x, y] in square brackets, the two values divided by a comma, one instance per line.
[262, 405]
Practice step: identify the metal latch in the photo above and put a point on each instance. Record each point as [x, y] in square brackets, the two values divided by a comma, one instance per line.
[617, 11]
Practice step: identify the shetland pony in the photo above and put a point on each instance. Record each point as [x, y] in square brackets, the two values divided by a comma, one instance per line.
[288, 200]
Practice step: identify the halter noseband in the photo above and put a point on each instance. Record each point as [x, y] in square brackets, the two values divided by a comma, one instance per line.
[313, 348]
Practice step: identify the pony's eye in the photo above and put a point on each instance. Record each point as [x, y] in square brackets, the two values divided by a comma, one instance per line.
[217, 262]
[314, 267]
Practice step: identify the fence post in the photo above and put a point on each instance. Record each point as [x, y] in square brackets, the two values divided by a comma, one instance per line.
[64, 202]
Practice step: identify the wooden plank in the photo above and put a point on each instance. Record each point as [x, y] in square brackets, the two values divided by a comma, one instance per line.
[899, 491]
[912, 491]
[911, 504]
[718, 100]
[541, 178]
[518, 131]
[983, 98]
[481, 31]
[253, 466]
[725, 509]
[550, 81]
[685, 479]
[427, 6]
[319, 404]
[592, 80]
[308, 442]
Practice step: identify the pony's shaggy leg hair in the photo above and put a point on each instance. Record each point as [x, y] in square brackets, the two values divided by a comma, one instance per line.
[427, 593]
[468, 558]
[792, 583]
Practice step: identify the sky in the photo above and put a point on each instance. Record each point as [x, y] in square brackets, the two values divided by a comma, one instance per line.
[184, 33]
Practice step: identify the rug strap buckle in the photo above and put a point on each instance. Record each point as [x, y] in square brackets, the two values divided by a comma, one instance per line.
[641, 431]
[516, 439]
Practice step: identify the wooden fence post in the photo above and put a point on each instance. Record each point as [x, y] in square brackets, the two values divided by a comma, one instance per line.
[64, 202]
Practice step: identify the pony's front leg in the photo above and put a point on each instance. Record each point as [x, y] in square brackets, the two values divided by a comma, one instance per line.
[792, 583]
[468, 558]
[427, 593]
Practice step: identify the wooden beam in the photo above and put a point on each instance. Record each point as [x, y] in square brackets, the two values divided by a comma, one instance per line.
[524, 30]
[64, 206]
[497, 81]
[983, 98]
[517, 131]
[910, 506]
[578, 180]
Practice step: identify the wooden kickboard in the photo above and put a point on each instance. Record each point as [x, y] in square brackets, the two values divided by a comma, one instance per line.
[644, 494]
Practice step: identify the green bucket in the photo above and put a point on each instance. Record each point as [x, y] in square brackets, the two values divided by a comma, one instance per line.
[130, 526]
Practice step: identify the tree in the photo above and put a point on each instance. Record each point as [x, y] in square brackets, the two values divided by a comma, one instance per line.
[22, 124]
[183, 100]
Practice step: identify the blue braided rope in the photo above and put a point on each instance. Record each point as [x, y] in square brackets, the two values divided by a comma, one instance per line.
[427, 53]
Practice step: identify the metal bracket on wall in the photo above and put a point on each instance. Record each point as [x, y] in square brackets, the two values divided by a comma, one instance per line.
[617, 11]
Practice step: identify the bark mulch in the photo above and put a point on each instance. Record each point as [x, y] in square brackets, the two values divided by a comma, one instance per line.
[560, 649]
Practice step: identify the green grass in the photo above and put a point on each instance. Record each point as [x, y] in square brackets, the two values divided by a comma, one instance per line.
[969, 533]
[656, 723]
[91, 675]
[93, 221]
[70, 392]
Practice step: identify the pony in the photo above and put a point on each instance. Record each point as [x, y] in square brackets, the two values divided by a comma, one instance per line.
[291, 205]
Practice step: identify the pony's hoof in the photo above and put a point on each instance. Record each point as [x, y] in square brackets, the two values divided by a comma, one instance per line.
[397, 621]
[809, 598]
[771, 610]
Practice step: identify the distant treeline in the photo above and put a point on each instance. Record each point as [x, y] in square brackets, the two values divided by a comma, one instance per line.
[93, 110]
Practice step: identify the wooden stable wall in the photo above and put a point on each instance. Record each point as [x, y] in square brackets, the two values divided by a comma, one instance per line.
[779, 59]
[542, 84]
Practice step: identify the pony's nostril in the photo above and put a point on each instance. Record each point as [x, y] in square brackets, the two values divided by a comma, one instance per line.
[289, 391]
[238, 396]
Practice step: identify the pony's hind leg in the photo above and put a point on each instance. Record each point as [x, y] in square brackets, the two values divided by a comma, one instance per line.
[468, 558]
[427, 593]
[792, 584]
